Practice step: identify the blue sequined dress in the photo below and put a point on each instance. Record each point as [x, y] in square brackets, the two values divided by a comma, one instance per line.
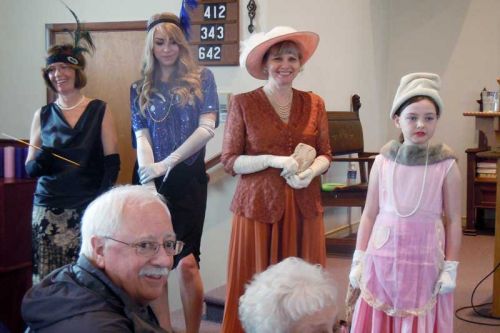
[169, 125]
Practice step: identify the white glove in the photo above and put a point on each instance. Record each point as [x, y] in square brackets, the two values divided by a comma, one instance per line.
[253, 163]
[356, 268]
[303, 179]
[448, 278]
[287, 163]
[196, 141]
[148, 173]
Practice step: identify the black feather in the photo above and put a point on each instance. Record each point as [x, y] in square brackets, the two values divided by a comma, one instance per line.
[82, 40]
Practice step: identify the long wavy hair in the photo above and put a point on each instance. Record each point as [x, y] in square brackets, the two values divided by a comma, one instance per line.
[185, 78]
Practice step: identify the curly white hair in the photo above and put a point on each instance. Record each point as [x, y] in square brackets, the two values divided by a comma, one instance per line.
[283, 294]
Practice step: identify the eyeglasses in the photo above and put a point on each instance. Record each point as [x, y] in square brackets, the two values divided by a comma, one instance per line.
[149, 249]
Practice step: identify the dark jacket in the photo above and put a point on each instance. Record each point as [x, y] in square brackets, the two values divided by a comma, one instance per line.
[81, 298]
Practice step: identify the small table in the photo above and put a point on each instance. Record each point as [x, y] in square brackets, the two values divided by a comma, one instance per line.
[489, 124]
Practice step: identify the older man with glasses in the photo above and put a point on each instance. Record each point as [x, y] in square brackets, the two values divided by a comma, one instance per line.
[127, 251]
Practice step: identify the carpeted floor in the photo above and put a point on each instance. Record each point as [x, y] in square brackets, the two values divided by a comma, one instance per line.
[476, 261]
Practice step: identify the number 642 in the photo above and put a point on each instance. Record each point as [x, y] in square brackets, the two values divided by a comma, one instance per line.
[212, 52]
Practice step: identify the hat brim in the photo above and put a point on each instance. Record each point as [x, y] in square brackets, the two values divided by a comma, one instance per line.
[306, 41]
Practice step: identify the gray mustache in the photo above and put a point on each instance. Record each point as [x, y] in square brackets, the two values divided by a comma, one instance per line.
[154, 271]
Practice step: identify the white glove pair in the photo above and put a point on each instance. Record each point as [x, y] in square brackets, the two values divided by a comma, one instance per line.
[246, 164]
[304, 178]
[446, 283]
[196, 141]
[302, 157]
[148, 173]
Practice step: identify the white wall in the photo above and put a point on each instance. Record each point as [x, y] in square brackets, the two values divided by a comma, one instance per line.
[459, 40]
[365, 47]
[350, 59]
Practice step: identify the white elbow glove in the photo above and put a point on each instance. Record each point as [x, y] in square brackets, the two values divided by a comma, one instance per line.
[196, 141]
[245, 164]
[356, 269]
[148, 173]
[287, 163]
[448, 278]
[303, 179]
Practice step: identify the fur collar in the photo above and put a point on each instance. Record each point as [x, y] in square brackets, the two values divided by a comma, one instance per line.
[414, 155]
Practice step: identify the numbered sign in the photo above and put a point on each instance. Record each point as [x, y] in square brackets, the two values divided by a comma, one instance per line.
[215, 32]
[215, 11]
[212, 32]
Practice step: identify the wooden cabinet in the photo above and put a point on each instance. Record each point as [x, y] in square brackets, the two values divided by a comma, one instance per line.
[481, 190]
[16, 200]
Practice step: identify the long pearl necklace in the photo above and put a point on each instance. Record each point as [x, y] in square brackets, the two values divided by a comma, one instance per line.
[167, 112]
[67, 108]
[283, 110]
[421, 190]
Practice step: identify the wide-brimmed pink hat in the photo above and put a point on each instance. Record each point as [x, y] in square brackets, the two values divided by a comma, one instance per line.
[257, 45]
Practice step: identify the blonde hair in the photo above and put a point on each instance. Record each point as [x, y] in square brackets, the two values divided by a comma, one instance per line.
[185, 78]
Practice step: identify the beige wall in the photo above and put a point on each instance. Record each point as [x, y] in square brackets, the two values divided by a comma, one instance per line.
[459, 40]
[365, 48]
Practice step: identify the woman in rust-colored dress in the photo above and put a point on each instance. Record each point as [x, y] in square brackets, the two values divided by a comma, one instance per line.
[276, 138]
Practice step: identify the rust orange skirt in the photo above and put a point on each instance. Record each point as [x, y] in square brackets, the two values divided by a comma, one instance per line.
[255, 245]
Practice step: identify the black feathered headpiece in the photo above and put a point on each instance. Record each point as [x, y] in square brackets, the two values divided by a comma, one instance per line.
[82, 42]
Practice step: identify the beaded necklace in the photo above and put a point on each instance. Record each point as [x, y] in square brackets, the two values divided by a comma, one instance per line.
[283, 110]
[67, 108]
[167, 112]
[421, 190]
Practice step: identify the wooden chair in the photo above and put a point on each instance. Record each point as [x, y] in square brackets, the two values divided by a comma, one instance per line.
[346, 138]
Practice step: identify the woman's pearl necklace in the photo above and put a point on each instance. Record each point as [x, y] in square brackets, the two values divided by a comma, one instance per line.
[67, 108]
[283, 110]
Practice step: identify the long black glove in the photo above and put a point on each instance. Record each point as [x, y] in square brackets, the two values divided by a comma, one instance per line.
[42, 163]
[111, 170]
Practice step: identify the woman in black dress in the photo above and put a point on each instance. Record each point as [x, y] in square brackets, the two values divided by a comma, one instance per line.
[80, 129]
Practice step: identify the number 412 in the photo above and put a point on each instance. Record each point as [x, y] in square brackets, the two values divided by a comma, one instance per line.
[214, 12]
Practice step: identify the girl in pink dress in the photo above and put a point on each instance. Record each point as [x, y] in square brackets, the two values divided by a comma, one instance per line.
[405, 263]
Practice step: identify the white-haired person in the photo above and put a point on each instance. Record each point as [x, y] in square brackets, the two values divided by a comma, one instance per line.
[174, 114]
[292, 296]
[127, 251]
[276, 138]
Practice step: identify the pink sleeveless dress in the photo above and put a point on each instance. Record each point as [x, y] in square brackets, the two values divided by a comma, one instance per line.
[405, 254]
